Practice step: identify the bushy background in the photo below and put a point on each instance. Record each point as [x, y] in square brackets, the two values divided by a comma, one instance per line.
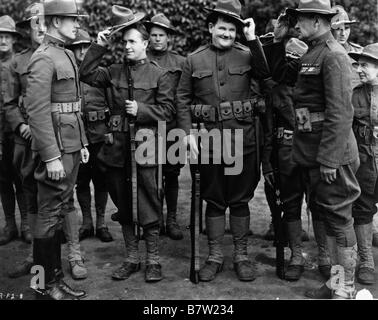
[188, 16]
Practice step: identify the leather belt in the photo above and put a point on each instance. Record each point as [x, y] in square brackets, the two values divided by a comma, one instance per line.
[317, 117]
[66, 107]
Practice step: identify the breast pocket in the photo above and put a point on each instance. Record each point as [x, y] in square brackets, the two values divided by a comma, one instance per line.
[65, 83]
[145, 91]
[203, 82]
[239, 78]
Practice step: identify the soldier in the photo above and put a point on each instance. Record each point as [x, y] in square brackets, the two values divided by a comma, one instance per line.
[153, 101]
[23, 155]
[8, 176]
[94, 107]
[217, 79]
[365, 127]
[340, 25]
[324, 145]
[289, 177]
[161, 31]
[52, 102]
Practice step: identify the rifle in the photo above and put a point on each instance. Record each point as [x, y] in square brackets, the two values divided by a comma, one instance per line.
[195, 217]
[278, 224]
[134, 173]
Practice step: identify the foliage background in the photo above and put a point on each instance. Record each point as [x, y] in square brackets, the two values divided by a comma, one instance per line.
[189, 16]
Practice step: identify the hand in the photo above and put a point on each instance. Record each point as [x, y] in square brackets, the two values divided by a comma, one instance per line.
[281, 29]
[103, 38]
[131, 107]
[84, 155]
[25, 131]
[55, 170]
[190, 141]
[328, 174]
[249, 29]
[269, 179]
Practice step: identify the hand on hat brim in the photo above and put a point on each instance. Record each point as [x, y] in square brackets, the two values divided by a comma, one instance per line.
[114, 29]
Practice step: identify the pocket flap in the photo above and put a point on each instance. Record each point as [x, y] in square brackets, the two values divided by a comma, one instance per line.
[202, 74]
[65, 73]
[239, 70]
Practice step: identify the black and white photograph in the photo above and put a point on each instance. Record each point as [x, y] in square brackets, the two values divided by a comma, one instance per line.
[188, 157]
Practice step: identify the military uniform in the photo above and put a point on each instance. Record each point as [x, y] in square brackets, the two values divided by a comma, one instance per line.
[8, 174]
[323, 136]
[365, 105]
[173, 62]
[58, 132]
[153, 92]
[216, 85]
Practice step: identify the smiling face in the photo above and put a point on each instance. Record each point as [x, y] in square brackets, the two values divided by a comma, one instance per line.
[135, 45]
[367, 70]
[342, 33]
[223, 33]
[7, 41]
[158, 39]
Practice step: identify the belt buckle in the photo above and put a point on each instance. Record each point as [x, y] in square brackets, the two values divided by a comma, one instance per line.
[303, 118]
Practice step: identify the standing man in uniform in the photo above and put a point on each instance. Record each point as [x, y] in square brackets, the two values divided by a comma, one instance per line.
[324, 145]
[217, 79]
[94, 106]
[8, 176]
[161, 31]
[53, 104]
[23, 159]
[153, 102]
[365, 127]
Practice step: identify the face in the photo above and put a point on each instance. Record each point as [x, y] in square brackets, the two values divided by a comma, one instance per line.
[367, 70]
[306, 27]
[68, 27]
[223, 34]
[37, 32]
[158, 39]
[135, 45]
[80, 51]
[342, 33]
[7, 41]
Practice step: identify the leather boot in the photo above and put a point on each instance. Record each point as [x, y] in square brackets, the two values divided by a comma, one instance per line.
[296, 265]
[10, 230]
[173, 229]
[26, 235]
[215, 227]
[324, 264]
[364, 235]
[243, 267]
[347, 257]
[101, 198]
[153, 268]
[84, 199]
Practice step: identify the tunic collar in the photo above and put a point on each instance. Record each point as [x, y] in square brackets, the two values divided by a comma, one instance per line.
[320, 40]
[49, 39]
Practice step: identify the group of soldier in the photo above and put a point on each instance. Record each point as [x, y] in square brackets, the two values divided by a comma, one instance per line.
[303, 103]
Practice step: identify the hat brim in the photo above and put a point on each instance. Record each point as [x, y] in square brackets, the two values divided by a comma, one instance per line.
[338, 23]
[150, 24]
[358, 55]
[138, 17]
[10, 31]
[236, 18]
[296, 12]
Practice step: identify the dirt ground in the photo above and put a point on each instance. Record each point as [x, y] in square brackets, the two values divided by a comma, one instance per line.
[102, 258]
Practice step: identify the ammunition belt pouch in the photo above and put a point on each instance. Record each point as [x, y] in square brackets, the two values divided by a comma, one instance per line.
[66, 107]
[93, 116]
[239, 110]
[117, 123]
[365, 134]
[284, 136]
[305, 119]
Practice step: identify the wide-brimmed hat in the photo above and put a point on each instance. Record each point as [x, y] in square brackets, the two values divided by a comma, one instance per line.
[322, 7]
[82, 37]
[65, 8]
[370, 51]
[31, 11]
[229, 8]
[123, 17]
[340, 18]
[8, 25]
[161, 21]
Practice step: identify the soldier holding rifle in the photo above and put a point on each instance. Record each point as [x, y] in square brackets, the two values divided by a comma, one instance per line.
[151, 101]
